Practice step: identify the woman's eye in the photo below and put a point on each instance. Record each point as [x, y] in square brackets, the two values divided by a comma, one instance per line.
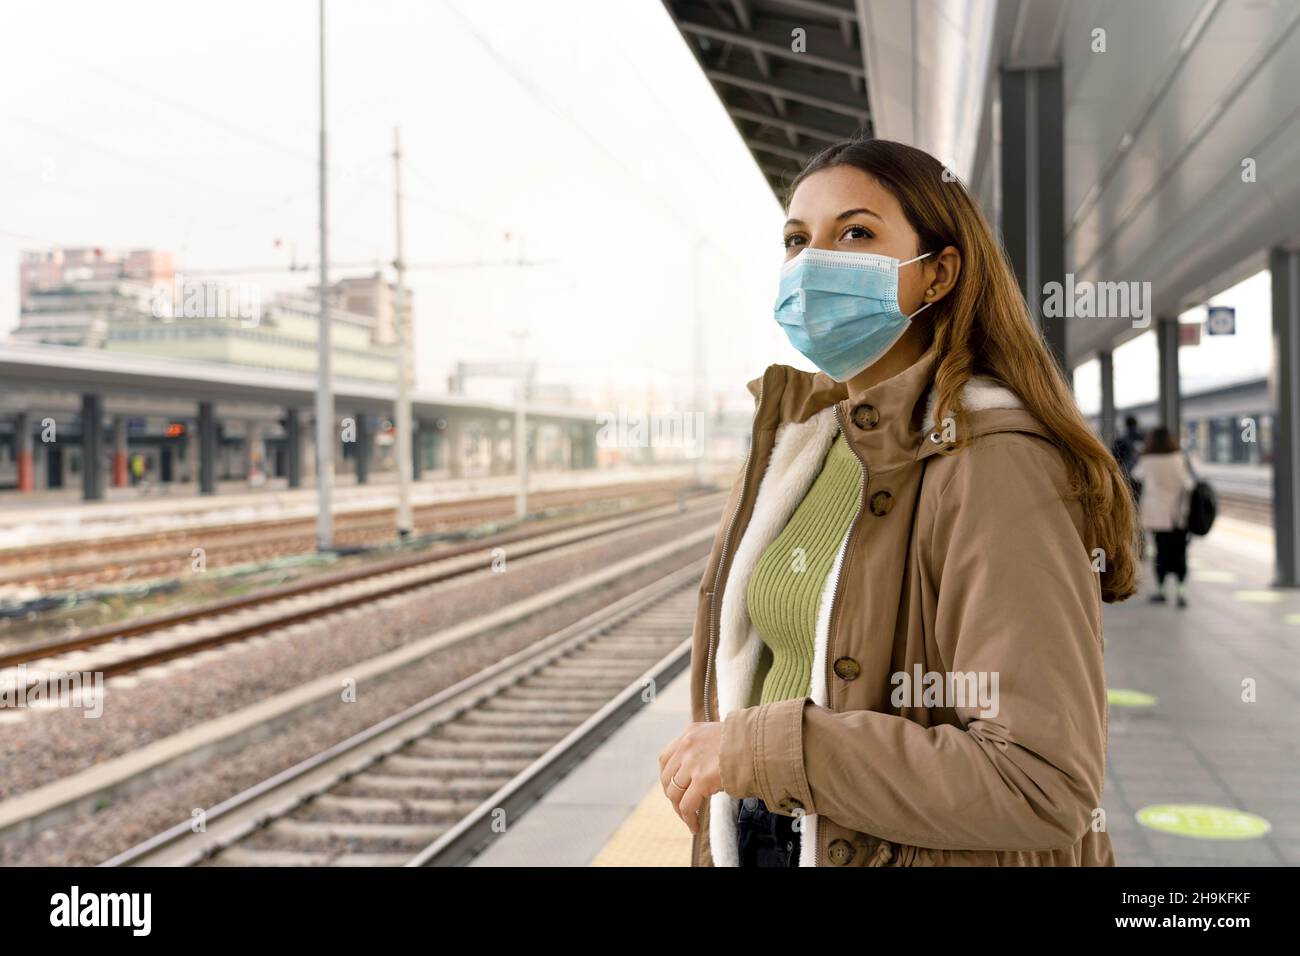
[857, 232]
[793, 240]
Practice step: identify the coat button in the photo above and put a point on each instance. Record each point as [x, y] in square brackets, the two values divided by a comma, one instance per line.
[840, 852]
[790, 804]
[846, 668]
[865, 416]
[881, 502]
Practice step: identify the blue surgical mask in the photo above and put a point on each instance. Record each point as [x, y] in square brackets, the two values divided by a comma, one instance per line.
[840, 309]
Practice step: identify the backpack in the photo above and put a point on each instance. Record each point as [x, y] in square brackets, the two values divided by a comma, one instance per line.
[1202, 504]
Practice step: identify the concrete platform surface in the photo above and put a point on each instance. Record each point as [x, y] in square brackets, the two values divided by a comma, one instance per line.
[1216, 724]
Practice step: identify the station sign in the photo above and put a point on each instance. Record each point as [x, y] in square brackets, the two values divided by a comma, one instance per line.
[1220, 320]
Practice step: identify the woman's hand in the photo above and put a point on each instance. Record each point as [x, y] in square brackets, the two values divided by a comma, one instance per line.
[690, 770]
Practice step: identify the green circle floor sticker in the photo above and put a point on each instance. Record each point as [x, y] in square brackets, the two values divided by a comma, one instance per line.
[1120, 697]
[1203, 822]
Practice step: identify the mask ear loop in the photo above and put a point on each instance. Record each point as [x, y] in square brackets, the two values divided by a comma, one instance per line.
[928, 304]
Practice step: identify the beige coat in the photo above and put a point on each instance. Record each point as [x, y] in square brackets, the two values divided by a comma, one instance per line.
[969, 566]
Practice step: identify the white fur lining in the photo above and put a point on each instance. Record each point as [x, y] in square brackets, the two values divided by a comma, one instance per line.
[821, 640]
[979, 394]
[796, 459]
[795, 462]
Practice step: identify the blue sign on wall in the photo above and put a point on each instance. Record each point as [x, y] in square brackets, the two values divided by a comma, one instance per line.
[1221, 320]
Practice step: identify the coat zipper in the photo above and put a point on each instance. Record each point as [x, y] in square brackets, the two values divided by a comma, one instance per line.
[722, 557]
[837, 570]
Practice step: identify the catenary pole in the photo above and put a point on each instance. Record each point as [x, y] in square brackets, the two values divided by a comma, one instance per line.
[325, 381]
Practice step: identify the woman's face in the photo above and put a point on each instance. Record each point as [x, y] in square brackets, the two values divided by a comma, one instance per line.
[842, 208]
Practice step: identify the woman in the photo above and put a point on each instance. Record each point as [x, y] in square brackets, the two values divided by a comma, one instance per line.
[852, 636]
[1165, 481]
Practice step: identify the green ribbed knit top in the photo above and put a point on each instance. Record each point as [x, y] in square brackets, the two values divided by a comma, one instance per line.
[786, 586]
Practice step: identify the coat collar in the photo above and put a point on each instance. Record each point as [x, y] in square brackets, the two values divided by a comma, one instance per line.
[787, 394]
[902, 408]
[894, 436]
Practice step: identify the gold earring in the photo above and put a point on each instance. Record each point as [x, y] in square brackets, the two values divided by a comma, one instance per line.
[928, 293]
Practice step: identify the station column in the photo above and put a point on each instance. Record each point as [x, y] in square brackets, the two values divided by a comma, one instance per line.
[566, 446]
[119, 451]
[1106, 360]
[1284, 265]
[418, 438]
[92, 447]
[1171, 410]
[453, 448]
[293, 447]
[254, 451]
[23, 452]
[1033, 189]
[362, 457]
[584, 447]
[191, 453]
[207, 449]
[309, 450]
[495, 466]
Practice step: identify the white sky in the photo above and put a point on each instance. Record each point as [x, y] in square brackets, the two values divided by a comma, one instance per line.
[584, 130]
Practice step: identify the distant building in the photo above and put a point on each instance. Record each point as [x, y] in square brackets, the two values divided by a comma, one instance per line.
[136, 302]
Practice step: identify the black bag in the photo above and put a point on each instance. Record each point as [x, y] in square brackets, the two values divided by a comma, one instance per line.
[1202, 504]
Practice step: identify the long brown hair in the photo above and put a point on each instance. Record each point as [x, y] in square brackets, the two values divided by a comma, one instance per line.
[983, 327]
[1161, 441]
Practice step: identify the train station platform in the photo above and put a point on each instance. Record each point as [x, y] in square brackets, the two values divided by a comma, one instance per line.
[1203, 764]
[45, 517]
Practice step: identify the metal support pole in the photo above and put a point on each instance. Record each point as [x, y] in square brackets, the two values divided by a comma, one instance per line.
[119, 451]
[1106, 360]
[1033, 190]
[417, 450]
[361, 451]
[325, 440]
[1284, 264]
[454, 445]
[92, 447]
[405, 434]
[255, 454]
[23, 446]
[207, 449]
[293, 447]
[1171, 413]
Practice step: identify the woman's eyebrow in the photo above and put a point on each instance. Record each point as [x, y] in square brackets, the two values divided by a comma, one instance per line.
[853, 212]
[844, 215]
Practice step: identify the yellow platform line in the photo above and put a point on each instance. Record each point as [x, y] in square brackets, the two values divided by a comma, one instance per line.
[652, 835]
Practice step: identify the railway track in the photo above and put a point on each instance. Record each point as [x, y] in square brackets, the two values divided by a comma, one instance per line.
[67, 565]
[425, 786]
[121, 649]
[1246, 507]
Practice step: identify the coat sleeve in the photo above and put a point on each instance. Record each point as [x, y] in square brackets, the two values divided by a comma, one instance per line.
[1016, 597]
